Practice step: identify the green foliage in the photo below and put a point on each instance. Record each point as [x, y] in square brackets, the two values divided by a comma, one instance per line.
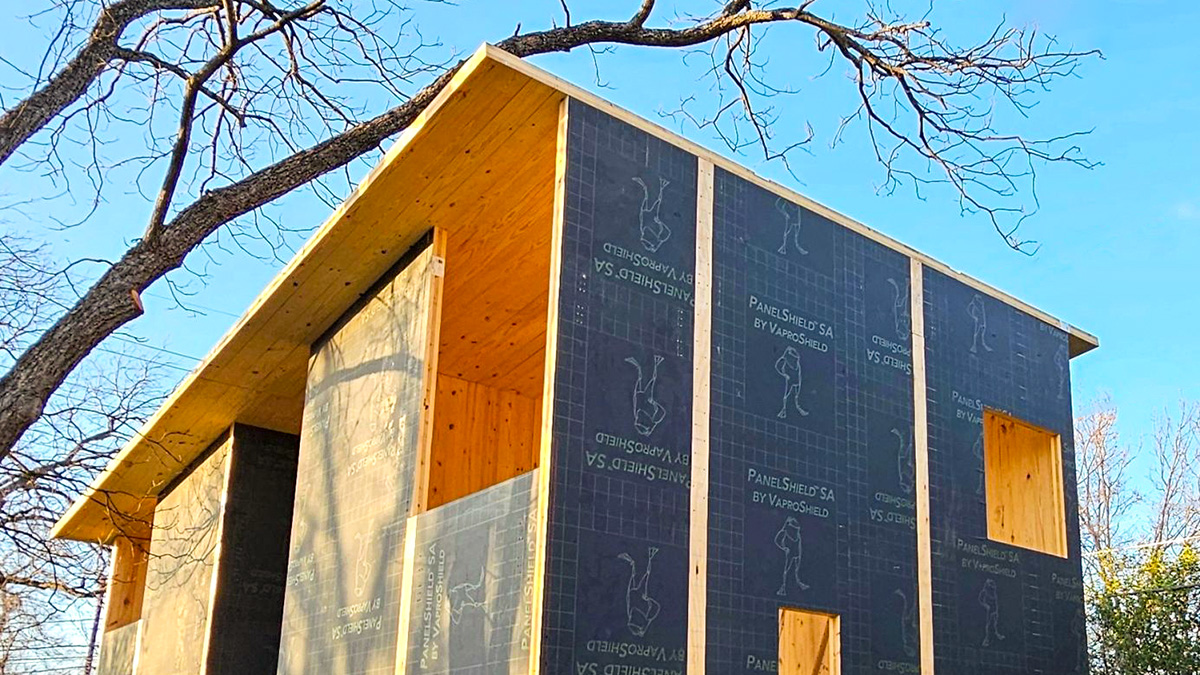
[1144, 613]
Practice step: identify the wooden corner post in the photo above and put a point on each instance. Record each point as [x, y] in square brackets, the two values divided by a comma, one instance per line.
[546, 440]
[126, 581]
[701, 398]
[437, 280]
[921, 445]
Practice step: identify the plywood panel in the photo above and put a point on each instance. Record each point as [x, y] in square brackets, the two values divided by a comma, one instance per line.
[482, 436]
[809, 643]
[358, 460]
[504, 353]
[126, 582]
[493, 308]
[1023, 469]
[495, 296]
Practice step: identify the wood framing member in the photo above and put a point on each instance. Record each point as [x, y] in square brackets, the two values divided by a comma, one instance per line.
[810, 643]
[701, 396]
[546, 440]
[437, 280]
[218, 550]
[406, 586]
[921, 447]
[126, 581]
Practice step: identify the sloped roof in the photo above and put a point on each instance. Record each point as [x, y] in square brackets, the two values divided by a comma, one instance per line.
[256, 373]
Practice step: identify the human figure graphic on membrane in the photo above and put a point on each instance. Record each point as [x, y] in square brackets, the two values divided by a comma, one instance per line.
[463, 596]
[640, 608]
[654, 232]
[791, 226]
[908, 623]
[1062, 359]
[362, 563]
[648, 413]
[900, 313]
[788, 540]
[788, 366]
[990, 599]
[978, 314]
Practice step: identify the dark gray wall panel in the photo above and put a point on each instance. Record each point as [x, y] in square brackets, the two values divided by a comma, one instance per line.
[812, 466]
[354, 483]
[998, 609]
[473, 583]
[254, 548]
[618, 543]
[811, 463]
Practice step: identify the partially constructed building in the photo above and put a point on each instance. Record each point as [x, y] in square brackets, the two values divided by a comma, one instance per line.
[557, 391]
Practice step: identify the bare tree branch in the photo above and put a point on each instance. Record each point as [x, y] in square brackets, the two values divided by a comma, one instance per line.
[45, 583]
[643, 13]
[49, 585]
[195, 84]
[1106, 498]
[31, 115]
[1176, 477]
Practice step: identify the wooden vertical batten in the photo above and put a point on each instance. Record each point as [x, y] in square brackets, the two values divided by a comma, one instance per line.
[126, 581]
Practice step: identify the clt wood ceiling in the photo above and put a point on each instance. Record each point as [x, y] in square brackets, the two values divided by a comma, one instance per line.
[497, 286]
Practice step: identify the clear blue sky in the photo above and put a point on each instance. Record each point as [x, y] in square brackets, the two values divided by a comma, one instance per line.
[1118, 243]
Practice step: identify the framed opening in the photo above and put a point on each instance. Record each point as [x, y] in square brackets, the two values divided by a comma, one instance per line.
[491, 351]
[1024, 478]
[809, 643]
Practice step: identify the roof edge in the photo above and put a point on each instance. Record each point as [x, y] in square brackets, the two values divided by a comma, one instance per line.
[1081, 341]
